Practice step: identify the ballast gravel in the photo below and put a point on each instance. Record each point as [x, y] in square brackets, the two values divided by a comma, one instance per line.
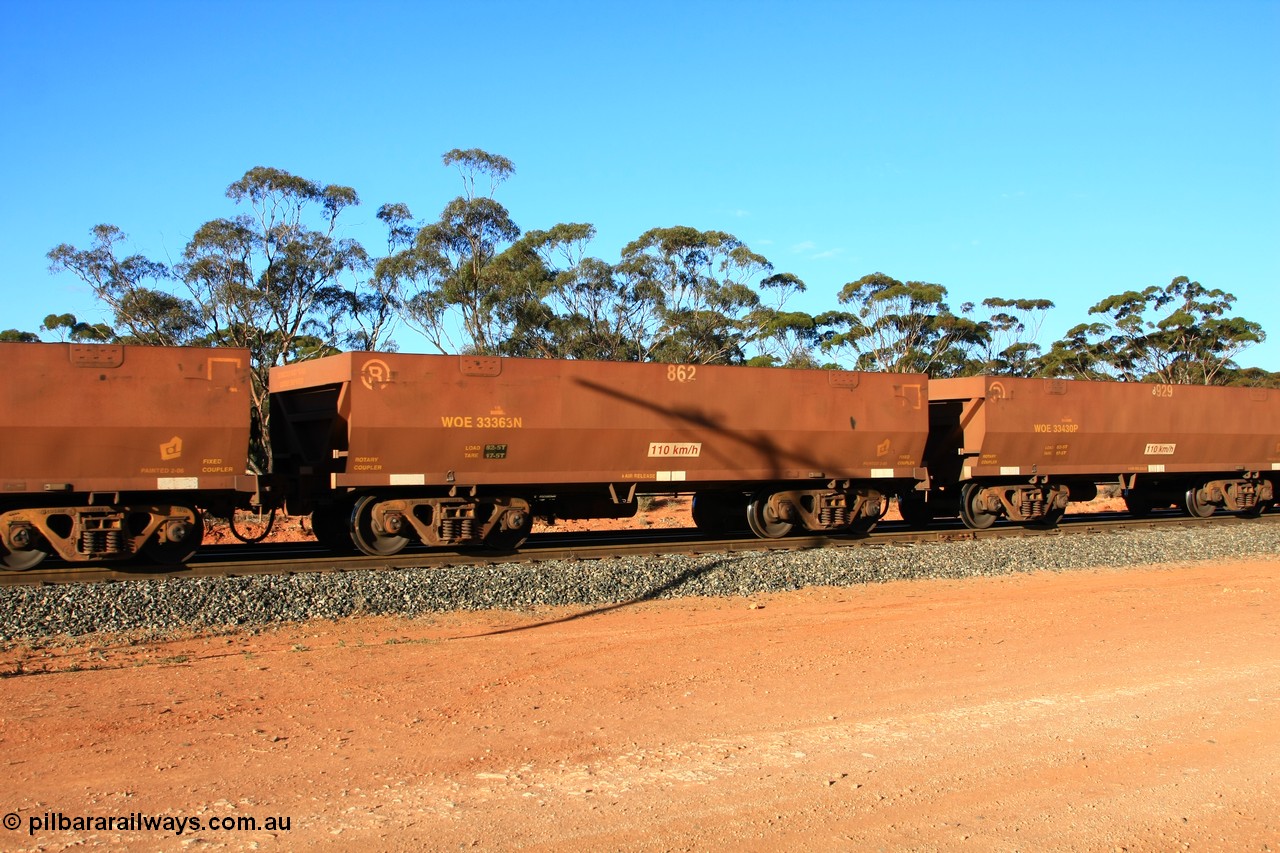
[163, 606]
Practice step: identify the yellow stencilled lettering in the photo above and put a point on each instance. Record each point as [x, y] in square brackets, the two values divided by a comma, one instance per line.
[215, 466]
[1161, 390]
[481, 422]
[499, 422]
[366, 463]
[681, 372]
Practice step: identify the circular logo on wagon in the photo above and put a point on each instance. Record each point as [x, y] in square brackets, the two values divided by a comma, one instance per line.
[375, 374]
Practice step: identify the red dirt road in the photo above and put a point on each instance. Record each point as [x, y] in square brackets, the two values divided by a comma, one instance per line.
[1094, 710]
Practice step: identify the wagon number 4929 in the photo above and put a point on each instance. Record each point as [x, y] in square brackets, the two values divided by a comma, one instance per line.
[681, 373]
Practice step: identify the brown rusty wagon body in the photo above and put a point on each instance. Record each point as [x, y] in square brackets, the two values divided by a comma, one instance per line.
[106, 451]
[1022, 448]
[457, 449]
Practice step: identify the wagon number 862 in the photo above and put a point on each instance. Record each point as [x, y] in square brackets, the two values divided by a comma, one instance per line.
[681, 373]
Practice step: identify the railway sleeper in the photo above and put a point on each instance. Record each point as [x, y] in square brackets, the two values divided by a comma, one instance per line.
[80, 534]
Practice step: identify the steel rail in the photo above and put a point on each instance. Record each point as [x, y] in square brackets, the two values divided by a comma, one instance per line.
[300, 557]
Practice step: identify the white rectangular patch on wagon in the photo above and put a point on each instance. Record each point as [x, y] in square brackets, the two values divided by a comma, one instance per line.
[665, 449]
[408, 479]
[177, 482]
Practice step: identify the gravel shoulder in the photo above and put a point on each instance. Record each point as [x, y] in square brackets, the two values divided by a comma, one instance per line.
[164, 607]
[1012, 699]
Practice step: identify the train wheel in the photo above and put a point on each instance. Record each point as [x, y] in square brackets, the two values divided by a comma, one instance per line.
[972, 511]
[20, 561]
[510, 538]
[367, 539]
[1195, 507]
[763, 522]
[159, 550]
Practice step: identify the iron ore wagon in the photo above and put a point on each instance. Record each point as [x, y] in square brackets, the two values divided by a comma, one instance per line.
[1022, 448]
[107, 451]
[386, 449]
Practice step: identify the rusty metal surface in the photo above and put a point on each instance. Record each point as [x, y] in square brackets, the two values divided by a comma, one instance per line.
[1026, 427]
[443, 421]
[105, 418]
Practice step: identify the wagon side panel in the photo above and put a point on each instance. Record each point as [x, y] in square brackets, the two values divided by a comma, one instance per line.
[445, 421]
[86, 418]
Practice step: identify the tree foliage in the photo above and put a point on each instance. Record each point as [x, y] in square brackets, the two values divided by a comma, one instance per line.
[902, 327]
[130, 287]
[67, 327]
[452, 287]
[1012, 328]
[1178, 334]
[692, 292]
[16, 336]
[277, 280]
[282, 278]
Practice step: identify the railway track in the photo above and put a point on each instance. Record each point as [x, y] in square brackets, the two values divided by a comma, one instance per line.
[293, 558]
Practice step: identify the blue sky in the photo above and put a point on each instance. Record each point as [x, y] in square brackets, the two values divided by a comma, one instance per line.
[1066, 151]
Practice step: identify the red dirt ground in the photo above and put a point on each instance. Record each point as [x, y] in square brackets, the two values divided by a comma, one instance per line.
[1090, 710]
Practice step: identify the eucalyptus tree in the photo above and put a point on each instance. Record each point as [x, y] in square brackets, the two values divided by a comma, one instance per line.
[1012, 328]
[278, 279]
[132, 287]
[1084, 352]
[452, 285]
[581, 309]
[902, 327]
[780, 336]
[691, 291]
[1254, 377]
[17, 336]
[67, 327]
[1178, 334]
